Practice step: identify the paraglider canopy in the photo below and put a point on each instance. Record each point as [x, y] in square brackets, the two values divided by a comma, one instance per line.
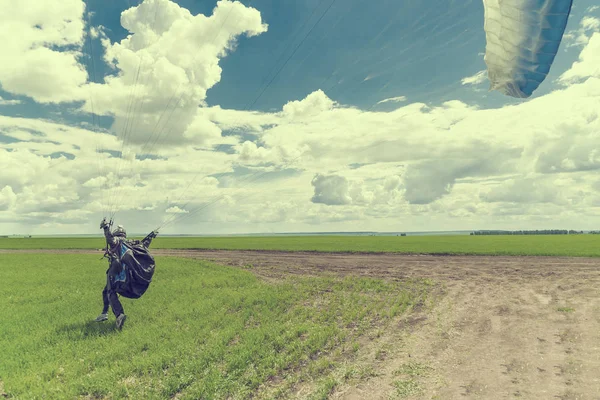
[522, 39]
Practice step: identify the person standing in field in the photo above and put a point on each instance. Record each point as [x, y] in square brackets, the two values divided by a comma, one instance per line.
[130, 270]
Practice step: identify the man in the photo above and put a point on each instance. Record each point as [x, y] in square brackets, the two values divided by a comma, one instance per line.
[130, 270]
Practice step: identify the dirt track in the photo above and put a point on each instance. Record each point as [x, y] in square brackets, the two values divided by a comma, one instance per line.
[496, 334]
[506, 327]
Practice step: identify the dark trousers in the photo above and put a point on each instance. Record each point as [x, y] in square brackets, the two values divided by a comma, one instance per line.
[109, 295]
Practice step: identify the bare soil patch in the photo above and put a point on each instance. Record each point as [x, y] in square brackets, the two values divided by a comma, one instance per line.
[505, 327]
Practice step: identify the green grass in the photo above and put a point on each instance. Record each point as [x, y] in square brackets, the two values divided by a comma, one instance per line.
[566, 309]
[201, 331]
[412, 369]
[552, 245]
[409, 387]
[410, 372]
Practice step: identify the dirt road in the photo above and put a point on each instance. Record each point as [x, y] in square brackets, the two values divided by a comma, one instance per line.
[504, 328]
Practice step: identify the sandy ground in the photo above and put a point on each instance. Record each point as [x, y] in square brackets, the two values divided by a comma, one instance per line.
[503, 328]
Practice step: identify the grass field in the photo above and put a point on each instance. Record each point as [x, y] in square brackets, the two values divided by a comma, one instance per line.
[552, 245]
[201, 330]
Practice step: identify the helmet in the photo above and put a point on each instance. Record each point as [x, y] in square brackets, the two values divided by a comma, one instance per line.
[120, 231]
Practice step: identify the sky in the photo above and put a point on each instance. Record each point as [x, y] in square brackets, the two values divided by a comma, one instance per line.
[205, 117]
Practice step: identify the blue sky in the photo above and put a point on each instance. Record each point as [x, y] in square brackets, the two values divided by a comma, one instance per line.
[416, 49]
[297, 103]
[357, 54]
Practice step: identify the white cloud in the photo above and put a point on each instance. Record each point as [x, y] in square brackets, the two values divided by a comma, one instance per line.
[397, 99]
[97, 182]
[524, 190]
[8, 198]
[336, 190]
[41, 48]
[590, 24]
[443, 148]
[476, 79]
[165, 68]
[250, 152]
[202, 131]
[330, 190]
[415, 161]
[48, 188]
[323, 165]
[315, 104]
[176, 210]
[588, 64]
[581, 36]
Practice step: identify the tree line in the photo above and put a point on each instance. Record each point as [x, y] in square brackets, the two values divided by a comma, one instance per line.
[533, 232]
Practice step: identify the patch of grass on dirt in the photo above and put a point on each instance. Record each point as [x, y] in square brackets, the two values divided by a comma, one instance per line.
[566, 309]
[550, 245]
[201, 331]
[405, 388]
[410, 374]
[413, 369]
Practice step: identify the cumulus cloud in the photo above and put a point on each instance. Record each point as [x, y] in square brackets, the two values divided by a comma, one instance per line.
[327, 165]
[314, 104]
[97, 182]
[48, 187]
[416, 160]
[427, 182]
[250, 152]
[165, 68]
[588, 64]
[442, 146]
[202, 131]
[576, 152]
[8, 198]
[330, 190]
[337, 190]
[524, 190]
[161, 73]
[42, 48]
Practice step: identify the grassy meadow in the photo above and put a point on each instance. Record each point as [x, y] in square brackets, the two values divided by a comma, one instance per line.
[205, 331]
[551, 245]
[202, 331]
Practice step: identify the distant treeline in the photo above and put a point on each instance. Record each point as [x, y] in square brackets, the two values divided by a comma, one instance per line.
[534, 232]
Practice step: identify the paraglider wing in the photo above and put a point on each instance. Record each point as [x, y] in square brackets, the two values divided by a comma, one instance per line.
[522, 39]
